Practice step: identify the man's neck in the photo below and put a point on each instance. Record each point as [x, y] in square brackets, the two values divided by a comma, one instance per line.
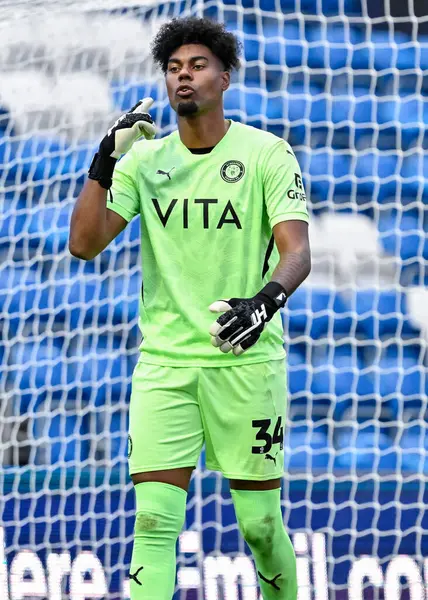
[202, 131]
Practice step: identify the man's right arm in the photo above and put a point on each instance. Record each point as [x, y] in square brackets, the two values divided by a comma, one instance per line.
[93, 226]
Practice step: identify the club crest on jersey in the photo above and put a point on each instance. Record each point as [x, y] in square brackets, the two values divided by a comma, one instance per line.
[232, 171]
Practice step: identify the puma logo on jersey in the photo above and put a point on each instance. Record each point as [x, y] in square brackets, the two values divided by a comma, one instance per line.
[135, 576]
[271, 582]
[167, 173]
[270, 457]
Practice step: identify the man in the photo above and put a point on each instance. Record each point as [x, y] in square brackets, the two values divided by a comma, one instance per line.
[224, 230]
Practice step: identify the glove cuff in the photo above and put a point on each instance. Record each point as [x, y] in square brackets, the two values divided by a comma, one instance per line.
[274, 294]
[101, 170]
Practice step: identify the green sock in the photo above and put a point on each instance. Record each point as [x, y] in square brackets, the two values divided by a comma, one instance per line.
[160, 514]
[260, 522]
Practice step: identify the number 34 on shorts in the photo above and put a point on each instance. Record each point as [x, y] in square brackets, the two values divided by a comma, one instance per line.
[237, 412]
[263, 426]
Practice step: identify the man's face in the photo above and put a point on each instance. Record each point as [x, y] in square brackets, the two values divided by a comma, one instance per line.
[195, 80]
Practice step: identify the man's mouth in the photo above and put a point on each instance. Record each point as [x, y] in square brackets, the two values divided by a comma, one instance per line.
[184, 91]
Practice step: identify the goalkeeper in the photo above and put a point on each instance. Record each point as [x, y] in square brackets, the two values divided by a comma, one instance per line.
[224, 239]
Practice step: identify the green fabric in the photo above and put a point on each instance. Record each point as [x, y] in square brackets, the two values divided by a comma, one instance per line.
[206, 227]
[239, 412]
[159, 519]
[260, 521]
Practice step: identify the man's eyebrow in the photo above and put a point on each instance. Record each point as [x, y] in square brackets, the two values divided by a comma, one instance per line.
[192, 59]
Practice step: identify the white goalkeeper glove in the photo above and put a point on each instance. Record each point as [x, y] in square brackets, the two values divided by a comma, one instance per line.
[241, 325]
[129, 128]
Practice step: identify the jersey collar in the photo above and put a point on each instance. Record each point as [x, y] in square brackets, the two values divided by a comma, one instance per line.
[185, 150]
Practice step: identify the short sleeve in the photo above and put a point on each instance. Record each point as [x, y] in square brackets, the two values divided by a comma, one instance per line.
[124, 198]
[284, 194]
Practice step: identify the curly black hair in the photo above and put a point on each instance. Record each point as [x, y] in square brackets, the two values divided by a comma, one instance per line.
[193, 30]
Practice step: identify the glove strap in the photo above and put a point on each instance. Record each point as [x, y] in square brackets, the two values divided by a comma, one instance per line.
[275, 293]
[101, 170]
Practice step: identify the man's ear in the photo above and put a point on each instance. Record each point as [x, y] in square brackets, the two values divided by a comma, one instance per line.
[225, 80]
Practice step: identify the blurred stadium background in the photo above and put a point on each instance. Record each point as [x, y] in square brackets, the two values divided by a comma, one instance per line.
[346, 82]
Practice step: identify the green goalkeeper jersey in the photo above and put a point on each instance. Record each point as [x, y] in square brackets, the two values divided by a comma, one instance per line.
[206, 234]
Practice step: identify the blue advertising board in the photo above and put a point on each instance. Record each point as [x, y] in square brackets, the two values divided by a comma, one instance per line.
[69, 535]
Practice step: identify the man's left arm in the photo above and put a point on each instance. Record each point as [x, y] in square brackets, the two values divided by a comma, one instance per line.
[292, 242]
[244, 319]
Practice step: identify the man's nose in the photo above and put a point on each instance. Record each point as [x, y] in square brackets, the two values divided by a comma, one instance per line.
[185, 73]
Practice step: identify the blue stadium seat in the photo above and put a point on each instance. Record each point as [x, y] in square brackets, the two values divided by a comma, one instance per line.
[234, 101]
[280, 43]
[317, 311]
[306, 448]
[365, 448]
[330, 174]
[296, 108]
[402, 374]
[361, 108]
[112, 426]
[402, 234]
[274, 51]
[45, 228]
[377, 170]
[361, 57]
[333, 45]
[75, 446]
[20, 288]
[101, 368]
[90, 300]
[414, 448]
[404, 379]
[299, 371]
[60, 436]
[49, 227]
[412, 110]
[86, 299]
[293, 54]
[300, 87]
[319, 109]
[43, 158]
[414, 445]
[328, 7]
[399, 51]
[283, 44]
[335, 164]
[127, 93]
[275, 107]
[339, 374]
[13, 228]
[36, 370]
[381, 312]
[255, 103]
[251, 49]
[239, 105]
[413, 173]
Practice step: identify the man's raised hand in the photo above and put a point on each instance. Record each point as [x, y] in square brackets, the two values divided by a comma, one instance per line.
[128, 128]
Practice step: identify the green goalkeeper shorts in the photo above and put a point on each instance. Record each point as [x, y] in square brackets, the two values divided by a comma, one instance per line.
[238, 412]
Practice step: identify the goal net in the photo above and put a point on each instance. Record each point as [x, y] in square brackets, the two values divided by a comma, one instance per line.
[346, 82]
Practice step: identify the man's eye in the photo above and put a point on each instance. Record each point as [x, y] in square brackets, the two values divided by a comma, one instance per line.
[198, 67]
